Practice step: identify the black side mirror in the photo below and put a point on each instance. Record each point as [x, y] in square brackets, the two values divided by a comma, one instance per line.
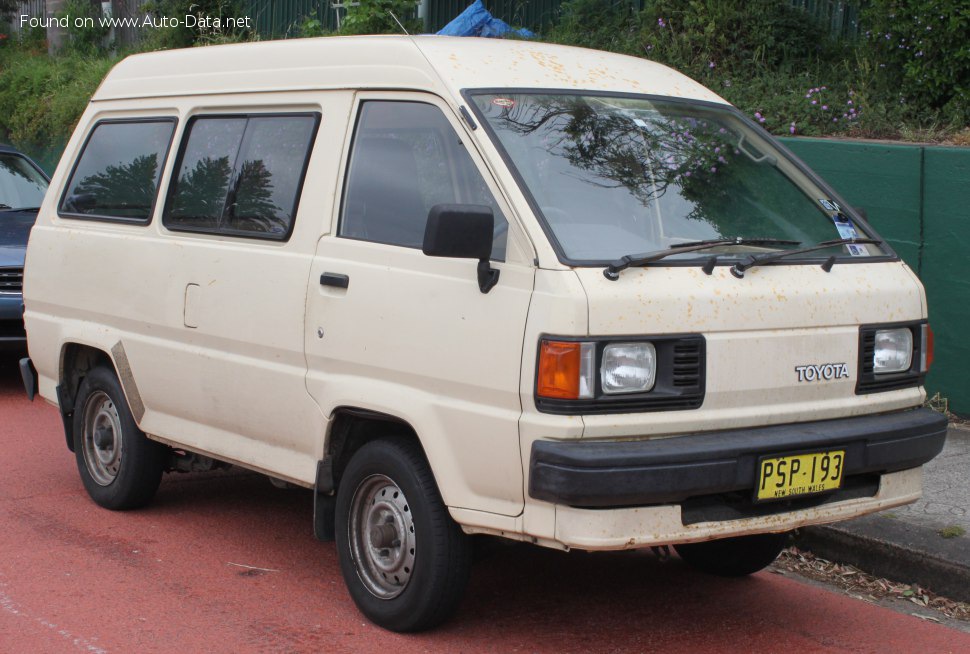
[462, 231]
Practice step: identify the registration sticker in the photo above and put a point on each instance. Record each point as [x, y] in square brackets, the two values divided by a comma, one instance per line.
[846, 229]
[507, 103]
[780, 477]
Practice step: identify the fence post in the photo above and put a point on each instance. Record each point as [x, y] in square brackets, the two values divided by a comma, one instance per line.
[56, 35]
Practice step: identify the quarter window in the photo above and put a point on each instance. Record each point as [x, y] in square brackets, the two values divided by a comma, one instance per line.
[407, 158]
[116, 176]
[241, 175]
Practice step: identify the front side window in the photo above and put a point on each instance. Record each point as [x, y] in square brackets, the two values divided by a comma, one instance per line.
[407, 158]
[613, 176]
[241, 175]
[21, 185]
[117, 174]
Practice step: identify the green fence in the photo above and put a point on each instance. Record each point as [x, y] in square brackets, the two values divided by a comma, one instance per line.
[917, 197]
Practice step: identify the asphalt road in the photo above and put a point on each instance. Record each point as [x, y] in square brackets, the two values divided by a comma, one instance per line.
[225, 562]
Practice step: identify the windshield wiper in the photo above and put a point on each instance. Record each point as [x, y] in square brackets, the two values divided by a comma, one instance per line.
[738, 269]
[612, 271]
[4, 207]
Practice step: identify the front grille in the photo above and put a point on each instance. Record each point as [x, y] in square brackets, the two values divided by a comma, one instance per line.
[687, 363]
[11, 280]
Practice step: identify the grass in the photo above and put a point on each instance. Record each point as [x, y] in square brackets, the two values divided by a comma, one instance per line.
[953, 531]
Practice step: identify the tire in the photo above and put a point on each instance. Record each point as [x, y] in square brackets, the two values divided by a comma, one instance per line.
[734, 557]
[120, 468]
[405, 561]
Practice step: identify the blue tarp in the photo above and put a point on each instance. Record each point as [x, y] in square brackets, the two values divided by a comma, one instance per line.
[477, 21]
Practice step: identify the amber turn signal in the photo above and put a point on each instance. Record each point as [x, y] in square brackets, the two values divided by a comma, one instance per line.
[565, 370]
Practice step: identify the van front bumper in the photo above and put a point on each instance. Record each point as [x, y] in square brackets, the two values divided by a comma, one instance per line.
[610, 474]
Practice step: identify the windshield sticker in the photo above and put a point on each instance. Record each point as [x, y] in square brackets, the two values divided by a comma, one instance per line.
[847, 230]
[508, 103]
[828, 205]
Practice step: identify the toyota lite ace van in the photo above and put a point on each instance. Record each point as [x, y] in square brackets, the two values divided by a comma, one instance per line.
[460, 287]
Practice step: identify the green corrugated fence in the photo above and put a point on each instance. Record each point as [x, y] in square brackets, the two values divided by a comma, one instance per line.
[918, 198]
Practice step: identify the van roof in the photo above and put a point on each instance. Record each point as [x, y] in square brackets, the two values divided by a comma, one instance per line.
[382, 62]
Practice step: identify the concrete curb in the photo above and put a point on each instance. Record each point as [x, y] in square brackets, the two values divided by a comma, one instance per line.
[897, 550]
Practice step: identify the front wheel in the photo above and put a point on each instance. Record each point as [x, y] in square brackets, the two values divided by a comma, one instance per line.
[734, 557]
[403, 558]
[119, 466]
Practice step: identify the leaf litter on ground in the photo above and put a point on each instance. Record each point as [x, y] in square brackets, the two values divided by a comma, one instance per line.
[868, 588]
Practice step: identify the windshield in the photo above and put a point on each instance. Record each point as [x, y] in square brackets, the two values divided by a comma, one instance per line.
[617, 175]
[21, 185]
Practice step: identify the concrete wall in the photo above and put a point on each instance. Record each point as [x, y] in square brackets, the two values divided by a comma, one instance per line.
[917, 197]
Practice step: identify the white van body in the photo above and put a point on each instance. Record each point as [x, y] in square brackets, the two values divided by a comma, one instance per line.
[231, 348]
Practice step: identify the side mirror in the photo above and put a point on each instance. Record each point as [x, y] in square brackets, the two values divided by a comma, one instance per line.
[462, 231]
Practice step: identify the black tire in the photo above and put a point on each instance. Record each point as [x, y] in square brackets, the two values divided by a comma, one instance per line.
[119, 466]
[734, 557]
[405, 561]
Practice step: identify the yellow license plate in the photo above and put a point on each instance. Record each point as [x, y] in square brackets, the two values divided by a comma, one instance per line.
[800, 474]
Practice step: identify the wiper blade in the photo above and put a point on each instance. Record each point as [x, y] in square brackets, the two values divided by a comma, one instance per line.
[738, 269]
[612, 271]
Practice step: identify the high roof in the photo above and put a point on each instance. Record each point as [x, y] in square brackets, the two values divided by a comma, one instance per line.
[400, 62]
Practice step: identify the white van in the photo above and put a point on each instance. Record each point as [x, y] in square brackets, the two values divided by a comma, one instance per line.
[462, 286]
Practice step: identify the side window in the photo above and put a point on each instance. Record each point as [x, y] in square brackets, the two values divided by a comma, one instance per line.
[406, 158]
[116, 176]
[241, 175]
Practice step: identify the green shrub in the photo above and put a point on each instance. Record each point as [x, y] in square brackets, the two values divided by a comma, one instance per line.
[921, 53]
[42, 97]
[85, 32]
[599, 24]
[374, 17]
[182, 35]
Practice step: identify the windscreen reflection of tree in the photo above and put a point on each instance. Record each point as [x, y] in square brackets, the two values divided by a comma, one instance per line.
[201, 192]
[648, 153]
[125, 190]
[253, 209]
[13, 166]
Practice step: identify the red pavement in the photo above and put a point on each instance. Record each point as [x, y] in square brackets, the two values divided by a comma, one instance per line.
[77, 578]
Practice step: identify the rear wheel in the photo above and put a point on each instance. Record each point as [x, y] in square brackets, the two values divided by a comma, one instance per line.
[119, 466]
[734, 557]
[403, 558]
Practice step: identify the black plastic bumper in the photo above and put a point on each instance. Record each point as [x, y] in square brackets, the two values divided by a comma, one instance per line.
[669, 470]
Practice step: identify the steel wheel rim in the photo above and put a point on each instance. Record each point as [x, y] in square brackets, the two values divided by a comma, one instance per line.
[102, 442]
[381, 536]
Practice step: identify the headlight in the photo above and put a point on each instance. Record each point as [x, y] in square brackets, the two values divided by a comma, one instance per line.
[628, 368]
[893, 351]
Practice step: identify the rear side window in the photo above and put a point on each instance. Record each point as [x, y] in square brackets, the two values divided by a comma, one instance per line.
[116, 176]
[406, 159]
[241, 175]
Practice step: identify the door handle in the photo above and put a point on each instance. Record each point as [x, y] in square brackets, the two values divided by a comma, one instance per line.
[334, 279]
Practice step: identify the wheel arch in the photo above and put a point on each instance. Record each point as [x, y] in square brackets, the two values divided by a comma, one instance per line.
[350, 428]
[75, 361]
